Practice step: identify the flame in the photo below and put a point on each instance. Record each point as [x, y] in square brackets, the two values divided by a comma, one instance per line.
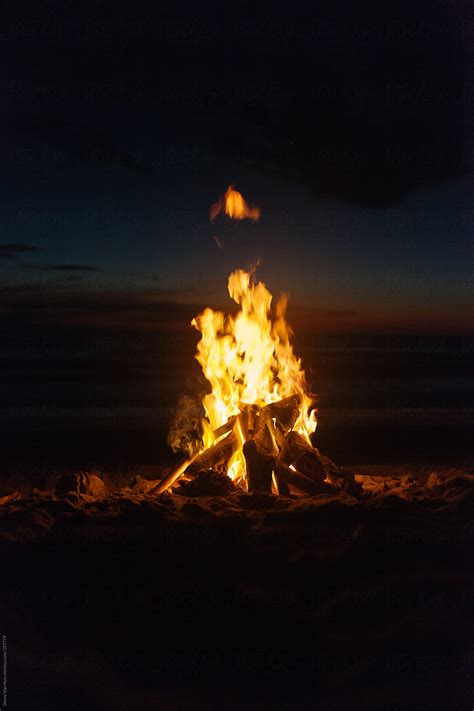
[233, 204]
[248, 359]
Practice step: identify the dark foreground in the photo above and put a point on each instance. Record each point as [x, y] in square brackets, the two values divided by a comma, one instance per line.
[242, 602]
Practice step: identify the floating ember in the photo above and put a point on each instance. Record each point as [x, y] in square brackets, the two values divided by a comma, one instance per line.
[258, 415]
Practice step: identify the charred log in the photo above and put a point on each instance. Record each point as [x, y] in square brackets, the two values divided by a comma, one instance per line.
[305, 458]
[252, 416]
[260, 464]
[340, 477]
[225, 428]
[281, 482]
[294, 447]
[310, 465]
[214, 456]
[209, 459]
[285, 411]
[291, 477]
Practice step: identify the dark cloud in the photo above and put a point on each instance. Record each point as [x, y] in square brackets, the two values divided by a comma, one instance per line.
[12, 251]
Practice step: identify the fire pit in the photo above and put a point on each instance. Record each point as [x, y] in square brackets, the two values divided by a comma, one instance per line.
[259, 417]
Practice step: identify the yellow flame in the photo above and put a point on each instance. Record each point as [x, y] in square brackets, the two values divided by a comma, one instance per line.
[236, 464]
[248, 358]
[233, 204]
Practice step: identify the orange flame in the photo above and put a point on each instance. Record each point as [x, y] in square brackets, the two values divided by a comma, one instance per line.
[233, 204]
[248, 358]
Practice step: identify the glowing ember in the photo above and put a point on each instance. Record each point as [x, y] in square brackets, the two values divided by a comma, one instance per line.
[233, 204]
[248, 360]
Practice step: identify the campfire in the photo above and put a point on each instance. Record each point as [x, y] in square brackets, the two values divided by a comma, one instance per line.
[259, 416]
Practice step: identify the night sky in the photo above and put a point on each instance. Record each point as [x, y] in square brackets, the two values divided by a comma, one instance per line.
[123, 123]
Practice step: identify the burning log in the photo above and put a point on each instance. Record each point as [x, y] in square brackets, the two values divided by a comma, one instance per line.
[281, 482]
[214, 456]
[267, 451]
[170, 478]
[209, 459]
[286, 410]
[291, 447]
[260, 464]
[225, 428]
[259, 453]
[261, 428]
[252, 418]
[265, 443]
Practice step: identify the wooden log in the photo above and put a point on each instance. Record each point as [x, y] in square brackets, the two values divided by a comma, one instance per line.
[281, 482]
[280, 409]
[295, 446]
[305, 458]
[340, 477]
[256, 424]
[170, 478]
[291, 477]
[226, 427]
[285, 411]
[276, 408]
[213, 456]
[310, 465]
[260, 464]
[252, 413]
[278, 435]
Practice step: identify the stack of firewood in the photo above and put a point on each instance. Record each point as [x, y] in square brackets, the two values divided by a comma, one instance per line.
[271, 449]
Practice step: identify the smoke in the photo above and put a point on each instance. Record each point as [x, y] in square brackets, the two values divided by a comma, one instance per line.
[185, 433]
